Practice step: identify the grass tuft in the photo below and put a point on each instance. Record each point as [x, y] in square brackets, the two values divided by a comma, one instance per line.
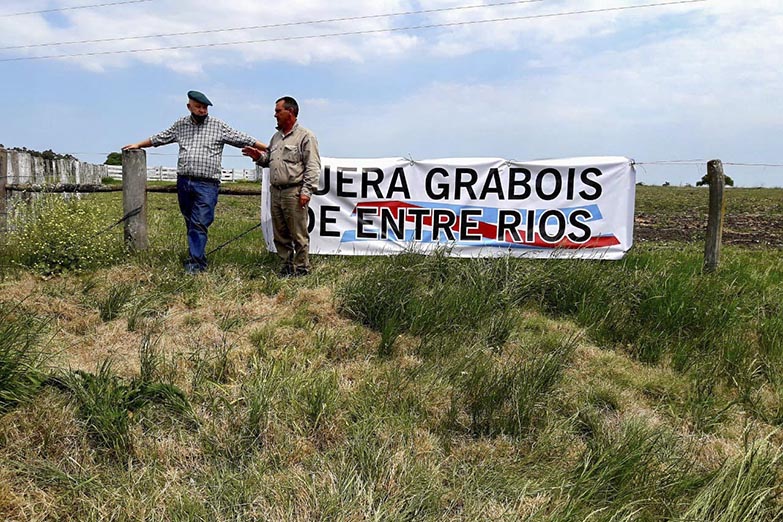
[22, 360]
[628, 471]
[116, 299]
[106, 404]
[507, 398]
[745, 488]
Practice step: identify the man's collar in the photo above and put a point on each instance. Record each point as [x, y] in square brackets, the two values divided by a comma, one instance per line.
[296, 124]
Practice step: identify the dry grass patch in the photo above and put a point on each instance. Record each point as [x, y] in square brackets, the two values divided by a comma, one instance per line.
[108, 341]
[20, 288]
[12, 504]
[58, 298]
[44, 429]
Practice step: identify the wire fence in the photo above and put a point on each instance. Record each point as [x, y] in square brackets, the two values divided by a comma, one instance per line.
[170, 174]
[771, 229]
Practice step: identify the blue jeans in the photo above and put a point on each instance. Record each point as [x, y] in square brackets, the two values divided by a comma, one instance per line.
[197, 200]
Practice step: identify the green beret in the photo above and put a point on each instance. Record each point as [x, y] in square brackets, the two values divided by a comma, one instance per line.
[199, 97]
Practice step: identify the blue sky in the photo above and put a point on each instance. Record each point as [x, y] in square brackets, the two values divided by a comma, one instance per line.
[692, 81]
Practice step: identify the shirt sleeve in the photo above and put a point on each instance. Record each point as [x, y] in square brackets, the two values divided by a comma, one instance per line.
[165, 137]
[263, 160]
[311, 159]
[236, 138]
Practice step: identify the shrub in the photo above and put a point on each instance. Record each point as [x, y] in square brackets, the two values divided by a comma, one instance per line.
[54, 235]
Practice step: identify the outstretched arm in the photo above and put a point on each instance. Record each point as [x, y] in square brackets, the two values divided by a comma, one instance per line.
[140, 145]
[257, 154]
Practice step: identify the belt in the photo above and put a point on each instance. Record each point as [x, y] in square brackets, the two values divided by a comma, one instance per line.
[199, 178]
[288, 186]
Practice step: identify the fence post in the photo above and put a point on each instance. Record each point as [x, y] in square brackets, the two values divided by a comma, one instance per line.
[134, 198]
[717, 182]
[3, 195]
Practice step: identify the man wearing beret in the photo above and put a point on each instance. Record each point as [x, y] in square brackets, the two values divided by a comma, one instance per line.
[295, 167]
[201, 139]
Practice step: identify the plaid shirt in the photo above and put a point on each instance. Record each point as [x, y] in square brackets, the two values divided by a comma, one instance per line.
[201, 146]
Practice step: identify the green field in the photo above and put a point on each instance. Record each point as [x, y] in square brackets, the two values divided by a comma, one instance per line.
[400, 388]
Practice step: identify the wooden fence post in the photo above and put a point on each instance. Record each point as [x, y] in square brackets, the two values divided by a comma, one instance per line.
[717, 210]
[134, 198]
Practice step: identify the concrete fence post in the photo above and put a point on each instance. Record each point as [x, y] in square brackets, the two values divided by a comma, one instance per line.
[717, 210]
[134, 198]
[3, 195]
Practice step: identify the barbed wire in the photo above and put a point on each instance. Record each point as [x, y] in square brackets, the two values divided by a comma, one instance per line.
[640, 163]
[635, 163]
[151, 154]
[73, 8]
[217, 248]
[753, 164]
[276, 25]
[673, 162]
[135, 212]
[357, 33]
[704, 162]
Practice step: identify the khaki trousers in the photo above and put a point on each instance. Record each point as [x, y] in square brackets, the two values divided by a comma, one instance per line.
[289, 223]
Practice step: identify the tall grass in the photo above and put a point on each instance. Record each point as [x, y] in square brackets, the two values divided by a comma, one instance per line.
[507, 397]
[385, 477]
[664, 306]
[22, 359]
[318, 400]
[106, 404]
[628, 468]
[449, 396]
[118, 296]
[429, 295]
[722, 328]
[661, 308]
[745, 488]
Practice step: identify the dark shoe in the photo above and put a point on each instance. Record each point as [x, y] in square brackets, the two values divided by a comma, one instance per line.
[286, 271]
[192, 269]
[299, 272]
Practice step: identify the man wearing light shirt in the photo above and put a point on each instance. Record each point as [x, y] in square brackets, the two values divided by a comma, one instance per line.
[201, 139]
[295, 168]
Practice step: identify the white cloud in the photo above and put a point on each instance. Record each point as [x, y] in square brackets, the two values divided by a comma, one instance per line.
[161, 18]
[694, 80]
[707, 93]
[200, 15]
[547, 38]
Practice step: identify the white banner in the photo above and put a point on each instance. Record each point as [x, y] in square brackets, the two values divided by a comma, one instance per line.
[472, 207]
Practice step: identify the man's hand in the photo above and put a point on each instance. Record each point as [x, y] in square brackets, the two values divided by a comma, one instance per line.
[252, 152]
[140, 145]
[303, 200]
